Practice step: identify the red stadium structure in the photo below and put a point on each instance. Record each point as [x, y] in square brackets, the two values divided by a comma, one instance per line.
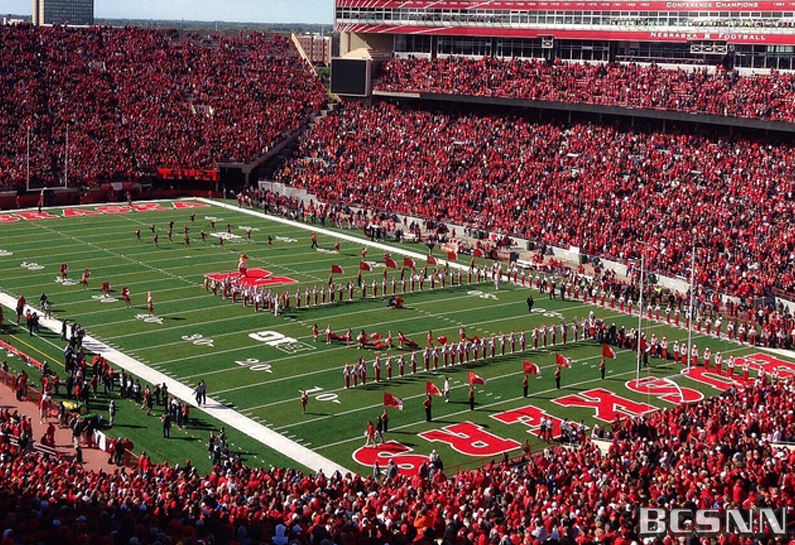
[752, 34]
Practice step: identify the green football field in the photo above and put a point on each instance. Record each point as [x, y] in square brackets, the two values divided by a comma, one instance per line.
[257, 363]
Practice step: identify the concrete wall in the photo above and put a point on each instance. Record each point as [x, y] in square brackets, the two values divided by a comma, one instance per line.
[350, 41]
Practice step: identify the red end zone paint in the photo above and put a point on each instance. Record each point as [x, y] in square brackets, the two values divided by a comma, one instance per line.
[73, 212]
[98, 210]
[35, 215]
[113, 209]
[608, 405]
[149, 206]
[408, 464]
[665, 389]
[254, 277]
[470, 439]
[711, 378]
[189, 204]
[771, 365]
[530, 416]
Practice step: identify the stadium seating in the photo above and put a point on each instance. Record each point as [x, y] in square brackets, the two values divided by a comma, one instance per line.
[135, 100]
[719, 452]
[601, 187]
[764, 96]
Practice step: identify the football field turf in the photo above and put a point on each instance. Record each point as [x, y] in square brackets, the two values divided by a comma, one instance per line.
[257, 363]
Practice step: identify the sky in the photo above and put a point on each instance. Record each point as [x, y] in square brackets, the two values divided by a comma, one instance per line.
[257, 11]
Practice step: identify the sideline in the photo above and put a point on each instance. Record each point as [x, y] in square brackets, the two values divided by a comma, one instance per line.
[216, 409]
[415, 255]
[330, 233]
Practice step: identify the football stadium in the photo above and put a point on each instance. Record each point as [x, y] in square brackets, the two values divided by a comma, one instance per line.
[521, 274]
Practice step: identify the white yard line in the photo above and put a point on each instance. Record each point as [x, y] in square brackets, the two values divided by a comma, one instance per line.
[328, 232]
[336, 369]
[481, 406]
[225, 414]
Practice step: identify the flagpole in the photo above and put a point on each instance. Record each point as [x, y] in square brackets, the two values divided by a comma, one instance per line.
[66, 164]
[690, 314]
[640, 316]
[27, 163]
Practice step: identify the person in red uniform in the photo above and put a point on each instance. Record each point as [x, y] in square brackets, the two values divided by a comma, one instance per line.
[125, 293]
[20, 310]
[370, 434]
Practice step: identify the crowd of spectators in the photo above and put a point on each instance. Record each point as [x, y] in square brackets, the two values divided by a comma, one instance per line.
[608, 189]
[766, 96]
[718, 453]
[769, 325]
[134, 100]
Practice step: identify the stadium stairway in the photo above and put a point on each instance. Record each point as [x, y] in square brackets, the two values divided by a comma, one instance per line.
[267, 165]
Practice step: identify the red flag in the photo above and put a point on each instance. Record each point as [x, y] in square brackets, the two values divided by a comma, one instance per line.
[476, 379]
[375, 336]
[390, 263]
[337, 269]
[431, 388]
[393, 401]
[530, 368]
[560, 360]
[608, 352]
[442, 339]
[408, 262]
[431, 260]
[477, 252]
[452, 256]
[364, 266]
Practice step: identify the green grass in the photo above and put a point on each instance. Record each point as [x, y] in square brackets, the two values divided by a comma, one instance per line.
[334, 423]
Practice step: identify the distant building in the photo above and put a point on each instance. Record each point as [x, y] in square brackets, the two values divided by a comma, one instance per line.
[8, 20]
[61, 12]
[317, 47]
